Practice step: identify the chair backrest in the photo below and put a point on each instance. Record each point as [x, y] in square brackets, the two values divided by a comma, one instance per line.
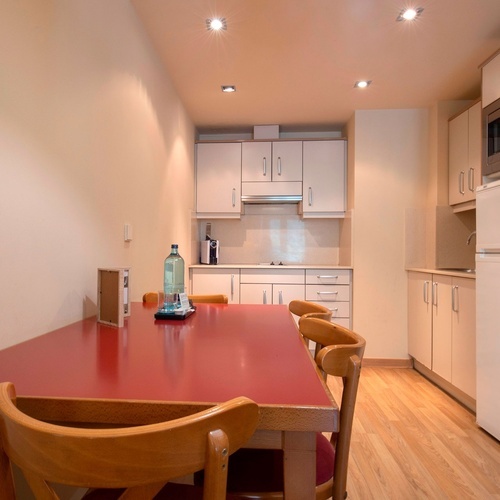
[141, 458]
[311, 309]
[341, 357]
[151, 297]
[218, 298]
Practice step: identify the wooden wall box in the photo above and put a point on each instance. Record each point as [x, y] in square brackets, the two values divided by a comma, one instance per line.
[113, 297]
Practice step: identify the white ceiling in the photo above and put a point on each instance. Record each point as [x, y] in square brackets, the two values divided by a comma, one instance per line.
[294, 62]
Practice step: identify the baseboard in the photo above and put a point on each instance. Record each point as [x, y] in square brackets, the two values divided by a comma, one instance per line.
[446, 386]
[388, 363]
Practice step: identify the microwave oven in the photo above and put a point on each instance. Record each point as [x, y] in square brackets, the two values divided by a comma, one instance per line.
[491, 140]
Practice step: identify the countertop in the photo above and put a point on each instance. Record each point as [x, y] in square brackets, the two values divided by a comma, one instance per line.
[266, 266]
[447, 272]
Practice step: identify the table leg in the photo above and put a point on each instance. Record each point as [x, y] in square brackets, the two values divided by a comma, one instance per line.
[300, 465]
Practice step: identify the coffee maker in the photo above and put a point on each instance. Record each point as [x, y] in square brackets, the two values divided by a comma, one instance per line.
[209, 251]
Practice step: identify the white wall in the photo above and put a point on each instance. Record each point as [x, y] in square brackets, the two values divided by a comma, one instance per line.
[388, 169]
[92, 136]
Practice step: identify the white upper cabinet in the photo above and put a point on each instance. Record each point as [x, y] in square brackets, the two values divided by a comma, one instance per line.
[272, 161]
[218, 180]
[464, 155]
[491, 80]
[324, 170]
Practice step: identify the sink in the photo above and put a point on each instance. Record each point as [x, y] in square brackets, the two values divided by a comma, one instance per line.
[459, 270]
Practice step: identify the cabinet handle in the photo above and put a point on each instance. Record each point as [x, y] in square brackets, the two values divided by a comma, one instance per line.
[279, 165]
[264, 166]
[326, 277]
[461, 182]
[264, 297]
[310, 196]
[454, 299]
[434, 293]
[426, 292]
[471, 179]
[234, 197]
[280, 297]
[327, 293]
[232, 287]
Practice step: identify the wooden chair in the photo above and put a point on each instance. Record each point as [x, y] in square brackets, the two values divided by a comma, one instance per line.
[208, 299]
[137, 460]
[152, 297]
[302, 307]
[259, 473]
[305, 309]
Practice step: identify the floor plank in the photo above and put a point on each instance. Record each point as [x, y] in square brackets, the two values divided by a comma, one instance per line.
[411, 440]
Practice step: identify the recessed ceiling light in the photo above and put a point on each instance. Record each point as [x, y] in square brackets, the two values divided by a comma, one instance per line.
[216, 24]
[362, 84]
[228, 88]
[409, 14]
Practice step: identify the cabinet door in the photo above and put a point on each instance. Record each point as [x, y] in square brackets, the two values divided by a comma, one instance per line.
[284, 294]
[463, 358]
[218, 179]
[324, 178]
[256, 162]
[475, 143]
[420, 317]
[287, 161]
[441, 326]
[458, 154]
[465, 155]
[211, 280]
[256, 293]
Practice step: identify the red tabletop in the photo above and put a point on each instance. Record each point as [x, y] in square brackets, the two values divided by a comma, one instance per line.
[220, 352]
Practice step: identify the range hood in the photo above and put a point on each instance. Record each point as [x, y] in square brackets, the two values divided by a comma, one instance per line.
[271, 192]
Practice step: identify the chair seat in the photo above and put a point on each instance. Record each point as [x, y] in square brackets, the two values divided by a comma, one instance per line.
[262, 470]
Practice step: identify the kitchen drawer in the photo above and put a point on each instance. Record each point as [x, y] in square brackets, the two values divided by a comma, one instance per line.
[328, 276]
[283, 275]
[328, 293]
[339, 309]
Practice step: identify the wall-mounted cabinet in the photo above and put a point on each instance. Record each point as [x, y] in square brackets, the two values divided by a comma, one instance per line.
[271, 161]
[218, 180]
[313, 172]
[491, 80]
[324, 178]
[464, 155]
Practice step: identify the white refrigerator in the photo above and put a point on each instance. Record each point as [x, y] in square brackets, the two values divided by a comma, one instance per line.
[488, 307]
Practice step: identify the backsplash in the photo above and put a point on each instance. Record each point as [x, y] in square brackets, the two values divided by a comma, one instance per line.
[275, 233]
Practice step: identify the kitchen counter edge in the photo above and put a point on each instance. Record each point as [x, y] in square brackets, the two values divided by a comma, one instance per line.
[446, 272]
[266, 266]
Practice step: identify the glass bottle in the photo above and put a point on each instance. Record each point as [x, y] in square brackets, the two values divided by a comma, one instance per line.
[173, 279]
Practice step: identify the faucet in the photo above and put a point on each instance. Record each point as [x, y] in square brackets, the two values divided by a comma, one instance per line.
[470, 237]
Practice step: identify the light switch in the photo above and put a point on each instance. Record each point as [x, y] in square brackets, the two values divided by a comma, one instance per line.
[127, 232]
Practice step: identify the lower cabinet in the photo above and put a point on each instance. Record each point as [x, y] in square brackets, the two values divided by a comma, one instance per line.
[332, 289]
[211, 280]
[271, 287]
[441, 327]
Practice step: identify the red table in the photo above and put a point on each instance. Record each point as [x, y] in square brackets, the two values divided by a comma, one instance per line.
[152, 370]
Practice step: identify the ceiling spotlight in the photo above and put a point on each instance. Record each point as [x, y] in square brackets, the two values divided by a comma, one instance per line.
[362, 84]
[216, 24]
[228, 88]
[409, 14]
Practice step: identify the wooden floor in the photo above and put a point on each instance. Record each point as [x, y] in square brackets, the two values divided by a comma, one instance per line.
[410, 440]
